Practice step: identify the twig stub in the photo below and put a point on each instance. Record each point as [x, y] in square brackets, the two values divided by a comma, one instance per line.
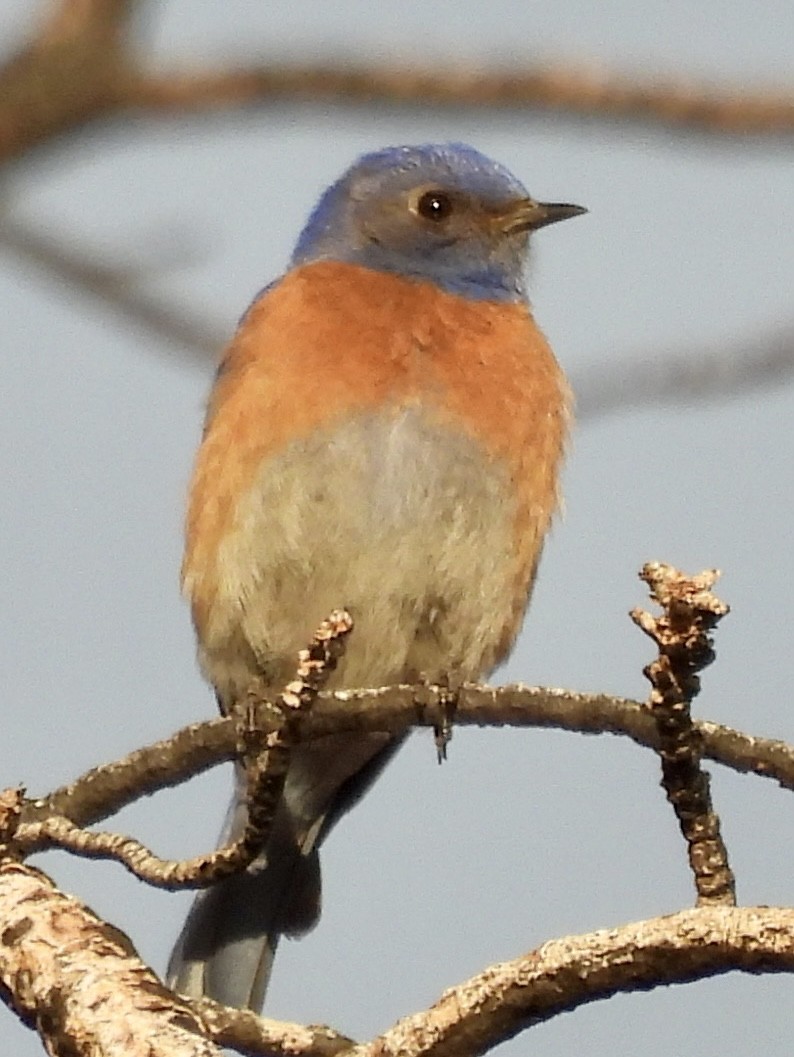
[266, 757]
[266, 768]
[682, 635]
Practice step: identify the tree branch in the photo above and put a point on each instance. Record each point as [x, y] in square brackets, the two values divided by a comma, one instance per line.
[79, 982]
[557, 88]
[683, 637]
[50, 944]
[266, 765]
[106, 789]
[82, 66]
[250, 1034]
[265, 759]
[567, 973]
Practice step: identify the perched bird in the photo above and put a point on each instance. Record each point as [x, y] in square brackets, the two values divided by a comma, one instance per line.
[385, 433]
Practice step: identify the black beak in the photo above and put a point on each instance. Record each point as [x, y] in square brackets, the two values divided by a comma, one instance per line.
[529, 215]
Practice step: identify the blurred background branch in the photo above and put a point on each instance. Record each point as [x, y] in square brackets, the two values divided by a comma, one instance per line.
[639, 379]
[83, 65]
[560, 89]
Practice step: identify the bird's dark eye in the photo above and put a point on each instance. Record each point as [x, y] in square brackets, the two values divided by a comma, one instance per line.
[434, 205]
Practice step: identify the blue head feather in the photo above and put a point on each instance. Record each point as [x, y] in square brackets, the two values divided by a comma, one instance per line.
[369, 217]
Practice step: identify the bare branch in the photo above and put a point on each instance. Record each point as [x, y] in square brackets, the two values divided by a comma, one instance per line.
[266, 766]
[85, 989]
[79, 982]
[250, 1034]
[564, 974]
[70, 74]
[266, 762]
[683, 637]
[169, 874]
[106, 789]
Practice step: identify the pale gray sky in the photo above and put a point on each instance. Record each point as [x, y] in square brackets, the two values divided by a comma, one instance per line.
[521, 836]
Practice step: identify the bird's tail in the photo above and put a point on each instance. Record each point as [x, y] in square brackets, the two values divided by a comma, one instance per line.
[228, 942]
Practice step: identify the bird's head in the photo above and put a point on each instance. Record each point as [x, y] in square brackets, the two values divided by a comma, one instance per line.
[440, 213]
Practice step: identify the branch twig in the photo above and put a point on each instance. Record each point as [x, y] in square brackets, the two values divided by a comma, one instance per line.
[266, 764]
[106, 789]
[251, 1034]
[50, 948]
[266, 761]
[682, 635]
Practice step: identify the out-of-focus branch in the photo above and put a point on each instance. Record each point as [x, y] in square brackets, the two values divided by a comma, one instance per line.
[567, 973]
[102, 20]
[70, 73]
[108, 788]
[83, 66]
[576, 92]
[111, 286]
[691, 375]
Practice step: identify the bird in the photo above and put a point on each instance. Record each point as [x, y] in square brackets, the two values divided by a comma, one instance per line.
[385, 433]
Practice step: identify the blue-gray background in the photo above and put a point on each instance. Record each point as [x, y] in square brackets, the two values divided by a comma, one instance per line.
[521, 836]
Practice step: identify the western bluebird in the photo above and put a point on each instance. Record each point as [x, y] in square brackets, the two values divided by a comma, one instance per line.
[385, 433]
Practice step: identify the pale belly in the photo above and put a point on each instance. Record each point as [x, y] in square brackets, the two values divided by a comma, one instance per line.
[408, 525]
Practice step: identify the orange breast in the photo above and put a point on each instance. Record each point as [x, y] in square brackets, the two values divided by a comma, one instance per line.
[333, 338]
